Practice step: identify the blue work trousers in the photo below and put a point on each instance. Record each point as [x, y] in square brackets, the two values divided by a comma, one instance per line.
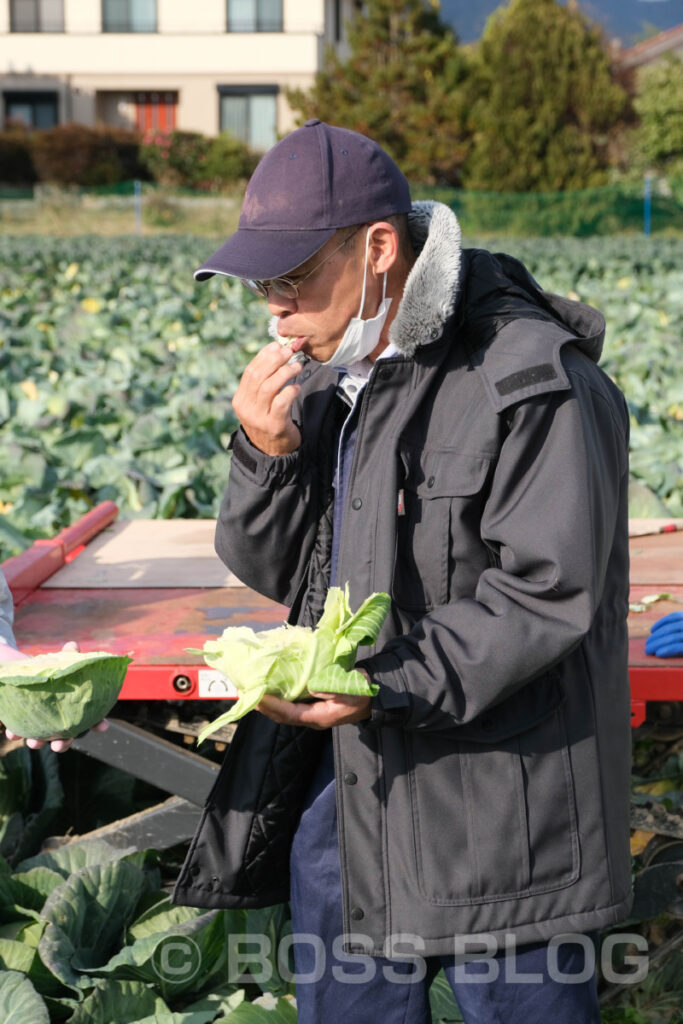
[526, 987]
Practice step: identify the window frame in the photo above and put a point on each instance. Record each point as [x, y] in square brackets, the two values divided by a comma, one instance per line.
[258, 20]
[39, 17]
[30, 97]
[247, 91]
[129, 30]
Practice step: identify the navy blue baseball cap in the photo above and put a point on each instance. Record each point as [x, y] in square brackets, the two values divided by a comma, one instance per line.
[314, 181]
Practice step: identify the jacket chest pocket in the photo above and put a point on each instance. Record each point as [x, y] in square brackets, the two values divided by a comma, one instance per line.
[440, 496]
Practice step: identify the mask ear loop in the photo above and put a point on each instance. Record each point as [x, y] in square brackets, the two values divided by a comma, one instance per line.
[359, 315]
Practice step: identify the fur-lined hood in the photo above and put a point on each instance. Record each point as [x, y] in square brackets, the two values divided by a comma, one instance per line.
[491, 291]
[431, 291]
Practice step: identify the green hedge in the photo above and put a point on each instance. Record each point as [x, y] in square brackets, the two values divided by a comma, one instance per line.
[77, 155]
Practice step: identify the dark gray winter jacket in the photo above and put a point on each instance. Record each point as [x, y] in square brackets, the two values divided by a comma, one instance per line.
[489, 791]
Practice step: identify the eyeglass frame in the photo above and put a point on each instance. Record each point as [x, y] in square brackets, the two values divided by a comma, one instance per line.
[262, 288]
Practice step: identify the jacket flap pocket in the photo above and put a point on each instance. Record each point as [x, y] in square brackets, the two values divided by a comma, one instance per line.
[513, 716]
[442, 472]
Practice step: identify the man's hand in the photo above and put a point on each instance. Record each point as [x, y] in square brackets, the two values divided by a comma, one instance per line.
[263, 401]
[58, 745]
[330, 709]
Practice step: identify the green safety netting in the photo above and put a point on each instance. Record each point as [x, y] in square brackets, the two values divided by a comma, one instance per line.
[592, 211]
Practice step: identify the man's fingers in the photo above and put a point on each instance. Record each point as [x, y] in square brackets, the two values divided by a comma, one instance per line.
[335, 709]
[259, 391]
[265, 363]
[101, 726]
[71, 645]
[282, 402]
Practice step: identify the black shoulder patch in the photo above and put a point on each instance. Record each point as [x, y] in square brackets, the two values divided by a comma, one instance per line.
[523, 378]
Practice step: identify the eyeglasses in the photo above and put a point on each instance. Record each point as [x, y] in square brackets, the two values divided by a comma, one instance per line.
[289, 287]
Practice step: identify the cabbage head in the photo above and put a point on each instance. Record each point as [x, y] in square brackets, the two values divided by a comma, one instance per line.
[60, 694]
[294, 661]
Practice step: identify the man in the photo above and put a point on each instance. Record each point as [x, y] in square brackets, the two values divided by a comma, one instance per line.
[450, 440]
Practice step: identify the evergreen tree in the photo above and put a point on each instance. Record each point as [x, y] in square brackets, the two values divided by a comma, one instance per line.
[543, 100]
[401, 85]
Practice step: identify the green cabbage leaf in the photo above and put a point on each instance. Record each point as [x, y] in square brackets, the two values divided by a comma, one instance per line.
[293, 662]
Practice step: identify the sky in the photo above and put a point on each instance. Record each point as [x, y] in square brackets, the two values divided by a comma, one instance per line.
[623, 19]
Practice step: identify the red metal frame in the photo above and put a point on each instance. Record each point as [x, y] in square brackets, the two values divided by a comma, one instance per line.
[655, 683]
[158, 682]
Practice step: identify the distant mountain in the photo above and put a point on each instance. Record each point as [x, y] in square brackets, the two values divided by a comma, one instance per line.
[626, 20]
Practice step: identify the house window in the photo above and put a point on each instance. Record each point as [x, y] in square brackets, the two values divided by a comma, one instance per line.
[250, 114]
[145, 111]
[129, 15]
[37, 16]
[155, 111]
[254, 15]
[31, 109]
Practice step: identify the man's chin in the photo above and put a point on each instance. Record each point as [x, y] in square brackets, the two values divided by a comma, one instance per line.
[319, 353]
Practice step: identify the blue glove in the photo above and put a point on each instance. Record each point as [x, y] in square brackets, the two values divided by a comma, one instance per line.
[666, 637]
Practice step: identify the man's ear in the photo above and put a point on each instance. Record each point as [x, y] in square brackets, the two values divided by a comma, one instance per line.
[384, 247]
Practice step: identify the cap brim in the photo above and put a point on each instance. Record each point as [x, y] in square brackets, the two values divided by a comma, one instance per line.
[261, 255]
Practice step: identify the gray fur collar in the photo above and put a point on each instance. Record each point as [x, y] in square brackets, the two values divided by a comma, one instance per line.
[430, 293]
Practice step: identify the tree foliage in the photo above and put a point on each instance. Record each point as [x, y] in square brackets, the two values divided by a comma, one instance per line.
[543, 100]
[401, 85]
[658, 141]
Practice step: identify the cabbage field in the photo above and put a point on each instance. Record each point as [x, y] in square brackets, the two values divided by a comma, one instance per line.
[117, 369]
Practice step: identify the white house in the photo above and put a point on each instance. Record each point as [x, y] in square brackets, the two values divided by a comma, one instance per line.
[196, 65]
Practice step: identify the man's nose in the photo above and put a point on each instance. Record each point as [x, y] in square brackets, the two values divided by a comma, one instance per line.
[279, 304]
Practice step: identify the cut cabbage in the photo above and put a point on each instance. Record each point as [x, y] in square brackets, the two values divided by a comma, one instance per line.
[59, 695]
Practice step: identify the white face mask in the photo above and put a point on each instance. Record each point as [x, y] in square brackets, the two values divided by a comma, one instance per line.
[361, 336]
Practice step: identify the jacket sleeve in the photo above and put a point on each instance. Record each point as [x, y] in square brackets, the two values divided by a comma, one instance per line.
[556, 501]
[6, 614]
[266, 527]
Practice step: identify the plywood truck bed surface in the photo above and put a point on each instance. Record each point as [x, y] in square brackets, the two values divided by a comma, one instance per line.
[147, 588]
[153, 588]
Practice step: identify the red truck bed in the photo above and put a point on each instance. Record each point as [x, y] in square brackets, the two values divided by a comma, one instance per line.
[152, 588]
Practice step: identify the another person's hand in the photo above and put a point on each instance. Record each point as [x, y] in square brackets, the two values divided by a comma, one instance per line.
[58, 745]
[263, 401]
[9, 653]
[666, 637]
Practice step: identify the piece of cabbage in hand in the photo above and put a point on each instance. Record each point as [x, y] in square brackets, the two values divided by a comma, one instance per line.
[294, 661]
[59, 695]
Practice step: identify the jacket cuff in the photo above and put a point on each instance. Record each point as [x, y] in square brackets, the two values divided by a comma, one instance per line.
[261, 468]
[392, 705]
